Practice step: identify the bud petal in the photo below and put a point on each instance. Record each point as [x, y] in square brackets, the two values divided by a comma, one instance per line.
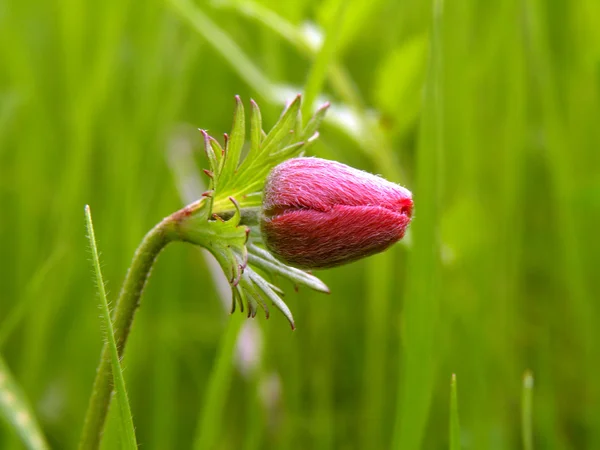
[319, 213]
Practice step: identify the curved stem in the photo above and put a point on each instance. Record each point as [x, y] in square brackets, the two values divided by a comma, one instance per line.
[128, 302]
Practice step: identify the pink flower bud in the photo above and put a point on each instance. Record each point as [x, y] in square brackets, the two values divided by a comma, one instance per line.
[319, 213]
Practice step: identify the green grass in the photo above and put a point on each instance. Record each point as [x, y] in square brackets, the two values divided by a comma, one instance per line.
[454, 423]
[126, 429]
[488, 112]
[526, 411]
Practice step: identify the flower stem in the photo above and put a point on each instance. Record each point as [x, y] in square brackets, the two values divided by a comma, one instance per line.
[168, 230]
[128, 302]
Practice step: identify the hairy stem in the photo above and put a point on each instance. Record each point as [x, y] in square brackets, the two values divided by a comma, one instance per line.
[127, 304]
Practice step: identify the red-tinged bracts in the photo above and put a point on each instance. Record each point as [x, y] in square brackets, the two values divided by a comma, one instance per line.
[319, 213]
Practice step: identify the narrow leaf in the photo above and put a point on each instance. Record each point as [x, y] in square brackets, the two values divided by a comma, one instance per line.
[282, 128]
[127, 429]
[272, 295]
[235, 142]
[315, 121]
[527, 411]
[251, 291]
[16, 411]
[286, 152]
[255, 129]
[424, 282]
[212, 160]
[215, 394]
[219, 153]
[454, 422]
[264, 260]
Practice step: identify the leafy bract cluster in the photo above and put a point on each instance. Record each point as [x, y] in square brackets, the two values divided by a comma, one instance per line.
[243, 178]
[226, 220]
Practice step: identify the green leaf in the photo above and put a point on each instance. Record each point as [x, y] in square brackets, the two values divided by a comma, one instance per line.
[262, 259]
[315, 121]
[399, 82]
[127, 429]
[218, 384]
[212, 160]
[527, 411]
[215, 224]
[270, 292]
[282, 128]
[245, 180]
[16, 411]
[235, 142]
[423, 287]
[454, 422]
[226, 240]
[256, 130]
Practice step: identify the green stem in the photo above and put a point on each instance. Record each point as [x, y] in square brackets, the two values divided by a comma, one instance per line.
[127, 304]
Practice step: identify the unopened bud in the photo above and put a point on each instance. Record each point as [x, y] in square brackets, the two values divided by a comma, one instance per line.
[319, 213]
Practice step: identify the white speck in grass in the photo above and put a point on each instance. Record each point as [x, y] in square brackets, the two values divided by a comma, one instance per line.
[313, 35]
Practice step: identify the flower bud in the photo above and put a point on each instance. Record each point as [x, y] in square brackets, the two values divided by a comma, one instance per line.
[319, 213]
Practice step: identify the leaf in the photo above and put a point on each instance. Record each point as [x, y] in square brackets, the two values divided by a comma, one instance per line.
[212, 160]
[16, 411]
[225, 240]
[527, 411]
[127, 429]
[454, 422]
[399, 82]
[262, 259]
[270, 293]
[219, 382]
[255, 128]
[235, 143]
[281, 129]
[245, 180]
[216, 224]
[315, 121]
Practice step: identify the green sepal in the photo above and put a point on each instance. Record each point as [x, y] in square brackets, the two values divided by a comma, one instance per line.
[236, 185]
[315, 122]
[225, 240]
[262, 259]
[235, 143]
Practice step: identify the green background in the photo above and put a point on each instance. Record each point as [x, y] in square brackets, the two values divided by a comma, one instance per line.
[488, 111]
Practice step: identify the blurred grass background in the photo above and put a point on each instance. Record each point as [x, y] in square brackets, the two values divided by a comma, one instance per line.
[488, 111]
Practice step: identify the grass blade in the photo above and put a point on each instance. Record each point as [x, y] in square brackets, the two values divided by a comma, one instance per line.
[126, 424]
[424, 277]
[454, 422]
[14, 409]
[423, 280]
[210, 419]
[222, 42]
[320, 68]
[527, 411]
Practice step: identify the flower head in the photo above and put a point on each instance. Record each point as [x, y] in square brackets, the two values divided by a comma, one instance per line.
[319, 213]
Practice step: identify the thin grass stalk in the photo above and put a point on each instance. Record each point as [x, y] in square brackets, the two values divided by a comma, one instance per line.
[127, 429]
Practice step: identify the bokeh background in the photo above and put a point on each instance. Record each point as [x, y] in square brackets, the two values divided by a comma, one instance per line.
[488, 111]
